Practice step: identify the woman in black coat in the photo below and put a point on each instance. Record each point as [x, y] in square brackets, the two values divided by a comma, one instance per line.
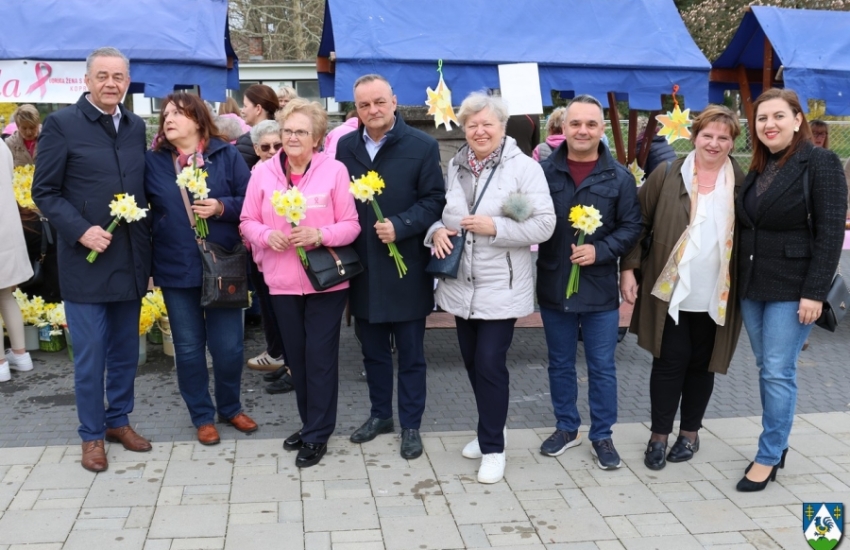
[786, 260]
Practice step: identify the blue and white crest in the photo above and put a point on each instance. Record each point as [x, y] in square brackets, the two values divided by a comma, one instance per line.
[823, 524]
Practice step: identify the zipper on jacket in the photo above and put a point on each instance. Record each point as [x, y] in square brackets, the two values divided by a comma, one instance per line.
[510, 270]
[83, 211]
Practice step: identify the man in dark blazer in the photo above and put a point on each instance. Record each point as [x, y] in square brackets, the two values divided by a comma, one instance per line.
[385, 305]
[88, 153]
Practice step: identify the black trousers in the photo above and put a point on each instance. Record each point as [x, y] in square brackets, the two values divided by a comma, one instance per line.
[484, 347]
[311, 338]
[274, 344]
[682, 372]
[375, 341]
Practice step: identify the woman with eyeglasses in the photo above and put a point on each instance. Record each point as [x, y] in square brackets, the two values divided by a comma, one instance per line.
[266, 139]
[309, 319]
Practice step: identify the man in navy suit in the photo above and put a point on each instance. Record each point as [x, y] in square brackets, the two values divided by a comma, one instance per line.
[385, 305]
[88, 153]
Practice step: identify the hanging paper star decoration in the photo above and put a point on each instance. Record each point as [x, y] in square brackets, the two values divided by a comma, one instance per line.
[675, 125]
[440, 102]
[637, 172]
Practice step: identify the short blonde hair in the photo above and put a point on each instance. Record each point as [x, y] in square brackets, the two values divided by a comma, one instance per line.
[312, 110]
[26, 115]
[719, 114]
[477, 102]
[555, 123]
[286, 92]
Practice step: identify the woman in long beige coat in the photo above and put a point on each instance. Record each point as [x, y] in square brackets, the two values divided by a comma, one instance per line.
[686, 312]
[15, 268]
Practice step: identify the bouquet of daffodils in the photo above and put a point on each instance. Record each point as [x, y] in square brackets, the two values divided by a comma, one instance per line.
[586, 219]
[124, 207]
[153, 308]
[194, 180]
[292, 206]
[22, 185]
[54, 315]
[364, 189]
[32, 309]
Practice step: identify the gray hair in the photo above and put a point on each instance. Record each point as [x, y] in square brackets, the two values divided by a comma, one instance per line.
[587, 99]
[228, 126]
[367, 78]
[264, 128]
[555, 122]
[477, 102]
[107, 51]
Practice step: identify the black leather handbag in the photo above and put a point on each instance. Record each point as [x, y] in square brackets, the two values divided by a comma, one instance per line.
[837, 299]
[328, 267]
[225, 275]
[448, 266]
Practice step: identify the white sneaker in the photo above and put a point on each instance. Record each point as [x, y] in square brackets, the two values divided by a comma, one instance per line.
[265, 362]
[492, 468]
[5, 375]
[22, 363]
[472, 450]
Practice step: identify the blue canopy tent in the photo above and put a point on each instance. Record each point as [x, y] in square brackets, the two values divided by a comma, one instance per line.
[633, 50]
[769, 38]
[170, 45]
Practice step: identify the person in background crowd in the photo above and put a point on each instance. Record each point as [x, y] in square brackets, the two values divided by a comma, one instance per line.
[36, 228]
[266, 139]
[310, 319]
[15, 268]
[8, 131]
[554, 135]
[785, 265]
[494, 285]
[285, 94]
[89, 153]
[820, 133]
[691, 326]
[190, 137]
[525, 129]
[385, 305]
[659, 150]
[260, 103]
[23, 143]
[229, 128]
[230, 109]
[582, 172]
[351, 123]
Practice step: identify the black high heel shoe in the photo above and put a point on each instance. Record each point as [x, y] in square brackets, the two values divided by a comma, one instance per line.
[749, 486]
[781, 461]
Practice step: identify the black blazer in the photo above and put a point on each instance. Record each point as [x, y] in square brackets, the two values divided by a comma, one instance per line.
[414, 197]
[82, 164]
[778, 260]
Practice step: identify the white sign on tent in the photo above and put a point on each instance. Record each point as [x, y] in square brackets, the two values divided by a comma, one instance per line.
[26, 81]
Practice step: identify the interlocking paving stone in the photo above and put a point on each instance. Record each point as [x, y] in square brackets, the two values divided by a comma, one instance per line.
[123, 539]
[712, 516]
[189, 521]
[267, 536]
[342, 514]
[34, 526]
[262, 488]
[425, 533]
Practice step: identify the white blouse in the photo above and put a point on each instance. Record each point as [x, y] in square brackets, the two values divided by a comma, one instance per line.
[700, 280]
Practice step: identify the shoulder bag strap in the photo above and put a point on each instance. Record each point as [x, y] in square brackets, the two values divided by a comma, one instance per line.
[481, 195]
[184, 194]
[807, 197]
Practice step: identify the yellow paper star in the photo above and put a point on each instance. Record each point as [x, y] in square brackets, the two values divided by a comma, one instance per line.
[440, 105]
[675, 124]
[637, 172]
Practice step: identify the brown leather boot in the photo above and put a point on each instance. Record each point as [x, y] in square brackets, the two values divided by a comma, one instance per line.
[94, 456]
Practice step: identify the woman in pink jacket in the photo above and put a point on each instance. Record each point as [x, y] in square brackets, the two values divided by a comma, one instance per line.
[309, 319]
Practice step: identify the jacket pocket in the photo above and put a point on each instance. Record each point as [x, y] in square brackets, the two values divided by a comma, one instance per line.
[798, 251]
[510, 270]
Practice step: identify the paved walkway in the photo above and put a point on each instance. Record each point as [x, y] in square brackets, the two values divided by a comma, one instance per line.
[247, 494]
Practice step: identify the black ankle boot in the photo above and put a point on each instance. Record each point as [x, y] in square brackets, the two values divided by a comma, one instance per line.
[749, 486]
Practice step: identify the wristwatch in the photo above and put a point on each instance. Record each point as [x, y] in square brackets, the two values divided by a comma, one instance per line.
[319, 238]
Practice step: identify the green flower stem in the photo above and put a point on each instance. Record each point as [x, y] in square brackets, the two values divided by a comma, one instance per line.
[300, 250]
[93, 254]
[396, 255]
[572, 285]
[201, 227]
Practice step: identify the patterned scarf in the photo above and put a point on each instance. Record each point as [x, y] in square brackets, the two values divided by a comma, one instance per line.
[477, 166]
[665, 286]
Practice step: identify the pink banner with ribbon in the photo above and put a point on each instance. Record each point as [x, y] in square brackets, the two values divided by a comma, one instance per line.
[26, 81]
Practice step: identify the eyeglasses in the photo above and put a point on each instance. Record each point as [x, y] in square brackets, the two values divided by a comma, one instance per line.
[265, 147]
[300, 134]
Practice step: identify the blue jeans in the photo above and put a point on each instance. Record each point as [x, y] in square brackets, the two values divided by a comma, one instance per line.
[194, 329]
[599, 332]
[106, 346]
[776, 336]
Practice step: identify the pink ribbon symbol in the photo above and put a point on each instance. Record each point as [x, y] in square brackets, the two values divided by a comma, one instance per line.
[42, 73]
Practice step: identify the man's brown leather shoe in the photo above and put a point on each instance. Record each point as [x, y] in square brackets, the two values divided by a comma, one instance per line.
[208, 435]
[241, 422]
[94, 456]
[129, 438]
